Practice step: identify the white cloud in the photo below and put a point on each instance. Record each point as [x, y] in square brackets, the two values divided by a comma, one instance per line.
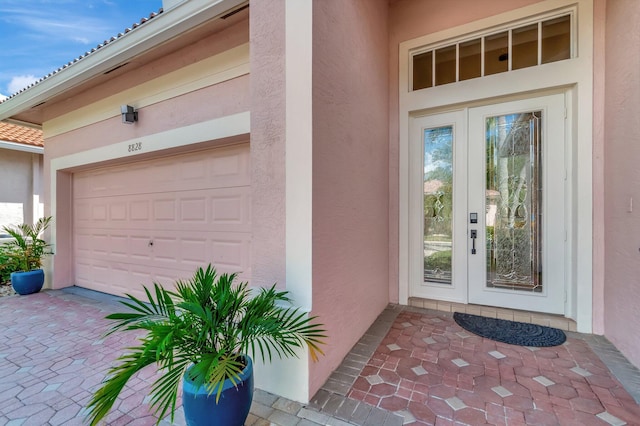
[61, 24]
[20, 82]
[2, 97]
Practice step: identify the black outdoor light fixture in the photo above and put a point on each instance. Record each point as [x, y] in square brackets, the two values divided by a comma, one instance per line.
[129, 114]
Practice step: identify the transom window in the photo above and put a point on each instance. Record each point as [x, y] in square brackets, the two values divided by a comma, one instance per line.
[523, 46]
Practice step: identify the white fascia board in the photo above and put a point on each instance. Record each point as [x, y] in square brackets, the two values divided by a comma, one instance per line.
[13, 146]
[160, 29]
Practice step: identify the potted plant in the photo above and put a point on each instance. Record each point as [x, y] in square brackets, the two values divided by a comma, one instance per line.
[204, 334]
[25, 251]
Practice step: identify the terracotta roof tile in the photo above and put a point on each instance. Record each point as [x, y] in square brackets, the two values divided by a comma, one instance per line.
[21, 134]
[81, 57]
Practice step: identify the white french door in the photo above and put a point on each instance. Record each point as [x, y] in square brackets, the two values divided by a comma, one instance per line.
[487, 198]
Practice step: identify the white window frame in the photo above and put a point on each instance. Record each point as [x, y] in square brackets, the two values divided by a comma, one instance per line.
[483, 34]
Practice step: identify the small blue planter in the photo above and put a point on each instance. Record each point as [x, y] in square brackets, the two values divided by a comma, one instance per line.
[200, 408]
[27, 282]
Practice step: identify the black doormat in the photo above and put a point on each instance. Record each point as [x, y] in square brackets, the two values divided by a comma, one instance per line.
[512, 332]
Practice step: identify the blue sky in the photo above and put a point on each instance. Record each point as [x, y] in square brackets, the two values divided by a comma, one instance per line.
[39, 36]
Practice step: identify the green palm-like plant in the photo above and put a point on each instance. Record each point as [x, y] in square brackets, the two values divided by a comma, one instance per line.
[27, 247]
[210, 323]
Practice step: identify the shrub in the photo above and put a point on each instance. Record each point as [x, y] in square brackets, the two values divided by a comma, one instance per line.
[27, 246]
[8, 263]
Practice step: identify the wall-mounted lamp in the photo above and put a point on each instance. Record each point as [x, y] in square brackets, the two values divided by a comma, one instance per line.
[129, 114]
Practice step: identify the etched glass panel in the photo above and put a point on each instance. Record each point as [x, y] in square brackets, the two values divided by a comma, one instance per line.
[514, 202]
[438, 205]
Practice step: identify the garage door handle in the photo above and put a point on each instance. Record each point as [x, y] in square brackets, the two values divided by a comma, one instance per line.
[150, 243]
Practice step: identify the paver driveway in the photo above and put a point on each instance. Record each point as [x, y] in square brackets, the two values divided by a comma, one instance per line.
[413, 366]
[52, 356]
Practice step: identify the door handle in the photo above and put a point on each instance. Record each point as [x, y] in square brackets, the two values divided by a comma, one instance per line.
[474, 235]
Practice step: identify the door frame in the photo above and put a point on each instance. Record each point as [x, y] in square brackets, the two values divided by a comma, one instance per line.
[466, 123]
[574, 77]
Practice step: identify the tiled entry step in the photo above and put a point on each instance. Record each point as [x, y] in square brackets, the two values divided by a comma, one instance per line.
[557, 321]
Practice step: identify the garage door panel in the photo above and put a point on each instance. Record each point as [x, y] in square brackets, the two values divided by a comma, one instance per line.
[139, 247]
[194, 251]
[82, 243]
[118, 211]
[164, 248]
[159, 220]
[81, 212]
[229, 254]
[99, 244]
[193, 210]
[225, 209]
[164, 209]
[119, 245]
[99, 212]
[219, 168]
[139, 210]
[83, 271]
[126, 278]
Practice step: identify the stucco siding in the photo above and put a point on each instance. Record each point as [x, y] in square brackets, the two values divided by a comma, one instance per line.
[622, 177]
[267, 58]
[18, 187]
[135, 74]
[226, 98]
[78, 126]
[350, 180]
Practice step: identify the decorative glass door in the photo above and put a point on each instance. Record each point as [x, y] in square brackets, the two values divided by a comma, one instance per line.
[439, 206]
[489, 205]
[518, 194]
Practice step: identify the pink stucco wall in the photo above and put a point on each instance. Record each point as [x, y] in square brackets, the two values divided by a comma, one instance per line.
[19, 185]
[622, 177]
[599, 67]
[230, 97]
[350, 182]
[409, 19]
[267, 56]
[135, 74]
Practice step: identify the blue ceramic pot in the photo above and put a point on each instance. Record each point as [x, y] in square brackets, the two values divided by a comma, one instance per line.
[27, 282]
[201, 409]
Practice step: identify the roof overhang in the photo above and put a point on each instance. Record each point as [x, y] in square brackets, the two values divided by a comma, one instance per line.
[163, 28]
[14, 146]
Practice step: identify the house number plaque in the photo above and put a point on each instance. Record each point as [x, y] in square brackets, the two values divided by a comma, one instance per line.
[133, 147]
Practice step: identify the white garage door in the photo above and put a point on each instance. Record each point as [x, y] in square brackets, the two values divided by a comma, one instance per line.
[158, 220]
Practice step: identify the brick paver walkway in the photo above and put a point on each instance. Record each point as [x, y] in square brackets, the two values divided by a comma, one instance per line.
[412, 366]
[431, 371]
